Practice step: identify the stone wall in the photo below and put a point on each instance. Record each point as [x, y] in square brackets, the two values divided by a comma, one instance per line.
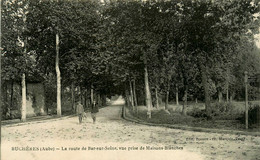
[35, 104]
[35, 99]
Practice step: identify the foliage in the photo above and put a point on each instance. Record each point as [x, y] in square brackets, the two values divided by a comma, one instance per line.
[161, 117]
[253, 113]
[197, 113]
[202, 46]
[220, 111]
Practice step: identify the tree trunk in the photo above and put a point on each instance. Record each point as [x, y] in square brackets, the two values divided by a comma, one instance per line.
[227, 81]
[23, 109]
[12, 94]
[185, 100]
[99, 102]
[81, 95]
[177, 95]
[206, 88]
[85, 98]
[1, 108]
[103, 98]
[134, 92]
[227, 94]
[5, 94]
[92, 94]
[73, 97]
[58, 77]
[156, 97]
[131, 95]
[167, 94]
[220, 96]
[147, 93]
[127, 98]
[166, 100]
[232, 96]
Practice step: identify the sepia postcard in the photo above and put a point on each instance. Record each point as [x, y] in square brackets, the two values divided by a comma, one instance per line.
[130, 80]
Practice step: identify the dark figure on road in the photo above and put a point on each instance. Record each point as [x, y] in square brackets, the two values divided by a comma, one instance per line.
[94, 111]
[80, 111]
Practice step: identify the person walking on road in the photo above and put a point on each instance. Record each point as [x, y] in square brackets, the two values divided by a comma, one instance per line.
[80, 111]
[94, 111]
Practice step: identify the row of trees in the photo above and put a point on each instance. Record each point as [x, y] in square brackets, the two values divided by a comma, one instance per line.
[142, 50]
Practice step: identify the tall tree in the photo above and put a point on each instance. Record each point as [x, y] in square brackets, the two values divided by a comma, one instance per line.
[216, 24]
[57, 68]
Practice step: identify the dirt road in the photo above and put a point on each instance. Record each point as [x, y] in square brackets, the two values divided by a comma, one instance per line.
[113, 138]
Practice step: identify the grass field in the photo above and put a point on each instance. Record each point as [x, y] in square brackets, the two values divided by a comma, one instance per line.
[232, 119]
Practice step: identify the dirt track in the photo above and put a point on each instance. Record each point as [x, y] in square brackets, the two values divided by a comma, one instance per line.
[66, 139]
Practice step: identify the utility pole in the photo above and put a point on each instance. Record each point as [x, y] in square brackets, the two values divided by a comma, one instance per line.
[246, 99]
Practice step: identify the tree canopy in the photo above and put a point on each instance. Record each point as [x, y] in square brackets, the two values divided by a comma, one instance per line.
[202, 47]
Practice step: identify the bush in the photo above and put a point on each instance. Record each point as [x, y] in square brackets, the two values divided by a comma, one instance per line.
[13, 114]
[224, 111]
[222, 107]
[163, 117]
[220, 110]
[253, 110]
[197, 113]
[252, 114]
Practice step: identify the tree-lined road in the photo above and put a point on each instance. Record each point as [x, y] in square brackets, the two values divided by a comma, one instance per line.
[194, 50]
[112, 132]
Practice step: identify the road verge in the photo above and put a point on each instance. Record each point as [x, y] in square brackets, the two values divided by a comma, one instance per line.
[17, 122]
[127, 116]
